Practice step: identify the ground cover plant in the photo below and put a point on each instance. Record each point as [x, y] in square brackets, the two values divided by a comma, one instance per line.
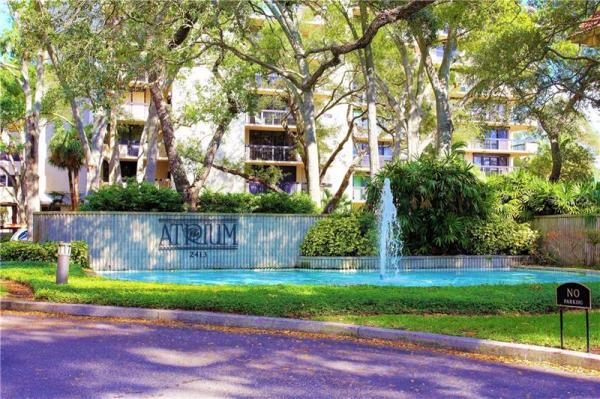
[367, 304]
[45, 251]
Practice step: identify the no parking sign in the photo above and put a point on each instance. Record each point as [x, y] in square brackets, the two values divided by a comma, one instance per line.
[577, 296]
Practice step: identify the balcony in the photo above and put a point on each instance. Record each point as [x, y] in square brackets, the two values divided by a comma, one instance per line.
[271, 117]
[383, 159]
[489, 170]
[359, 194]
[274, 153]
[496, 144]
[135, 111]
[288, 187]
[131, 149]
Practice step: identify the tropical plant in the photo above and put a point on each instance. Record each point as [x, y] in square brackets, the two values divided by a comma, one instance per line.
[438, 202]
[66, 152]
[523, 196]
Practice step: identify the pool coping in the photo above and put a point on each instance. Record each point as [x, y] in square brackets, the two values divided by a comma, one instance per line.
[428, 340]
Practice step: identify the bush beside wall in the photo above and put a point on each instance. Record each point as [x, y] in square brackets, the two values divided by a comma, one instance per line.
[351, 234]
[133, 197]
[502, 236]
[42, 252]
[271, 202]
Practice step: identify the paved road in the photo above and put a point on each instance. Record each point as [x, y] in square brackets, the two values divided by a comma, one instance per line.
[44, 357]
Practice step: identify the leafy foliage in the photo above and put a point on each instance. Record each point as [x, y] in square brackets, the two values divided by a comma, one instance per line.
[523, 196]
[65, 149]
[577, 162]
[502, 236]
[42, 252]
[438, 202]
[262, 203]
[351, 234]
[133, 197]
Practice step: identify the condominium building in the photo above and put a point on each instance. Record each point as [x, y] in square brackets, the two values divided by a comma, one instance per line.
[262, 139]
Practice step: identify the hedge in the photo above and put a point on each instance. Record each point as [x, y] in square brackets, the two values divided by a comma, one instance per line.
[271, 202]
[42, 252]
[350, 234]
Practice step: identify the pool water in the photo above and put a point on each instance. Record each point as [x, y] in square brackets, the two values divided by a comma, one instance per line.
[408, 278]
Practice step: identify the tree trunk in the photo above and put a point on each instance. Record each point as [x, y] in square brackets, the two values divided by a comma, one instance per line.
[114, 166]
[32, 178]
[33, 105]
[152, 152]
[148, 147]
[332, 204]
[75, 201]
[71, 188]
[211, 152]
[94, 166]
[445, 127]
[307, 109]
[556, 159]
[176, 168]
[369, 72]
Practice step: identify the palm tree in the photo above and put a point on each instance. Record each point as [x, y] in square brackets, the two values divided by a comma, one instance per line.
[66, 152]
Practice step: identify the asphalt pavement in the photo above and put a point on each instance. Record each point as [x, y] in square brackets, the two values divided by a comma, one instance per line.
[50, 357]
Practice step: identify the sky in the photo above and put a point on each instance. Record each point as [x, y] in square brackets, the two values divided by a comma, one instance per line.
[4, 16]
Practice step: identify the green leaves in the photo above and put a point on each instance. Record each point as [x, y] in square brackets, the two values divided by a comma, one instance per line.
[134, 197]
[350, 234]
[271, 202]
[65, 149]
[438, 201]
[42, 252]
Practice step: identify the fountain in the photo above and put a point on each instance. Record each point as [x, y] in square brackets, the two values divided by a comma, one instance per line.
[390, 233]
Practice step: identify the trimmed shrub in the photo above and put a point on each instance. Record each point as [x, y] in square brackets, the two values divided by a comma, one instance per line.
[284, 203]
[42, 252]
[212, 202]
[134, 197]
[503, 236]
[351, 234]
[271, 202]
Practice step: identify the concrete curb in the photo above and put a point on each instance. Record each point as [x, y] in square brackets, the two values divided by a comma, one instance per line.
[463, 344]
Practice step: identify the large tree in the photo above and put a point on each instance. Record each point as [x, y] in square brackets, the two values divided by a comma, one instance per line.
[25, 61]
[279, 45]
[526, 54]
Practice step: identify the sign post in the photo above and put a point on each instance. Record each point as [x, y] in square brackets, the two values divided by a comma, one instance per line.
[577, 296]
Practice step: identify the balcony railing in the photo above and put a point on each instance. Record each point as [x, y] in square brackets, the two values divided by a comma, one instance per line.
[495, 170]
[288, 187]
[130, 148]
[496, 144]
[271, 117]
[280, 153]
[359, 193]
[365, 162]
[135, 111]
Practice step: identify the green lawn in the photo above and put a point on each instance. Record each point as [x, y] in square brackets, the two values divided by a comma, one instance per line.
[522, 328]
[397, 307]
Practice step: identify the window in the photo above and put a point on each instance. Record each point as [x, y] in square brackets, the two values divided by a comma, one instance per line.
[500, 133]
[490, 160]
[5, 181]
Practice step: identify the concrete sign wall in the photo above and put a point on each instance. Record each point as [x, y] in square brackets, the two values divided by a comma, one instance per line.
[148, 241]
